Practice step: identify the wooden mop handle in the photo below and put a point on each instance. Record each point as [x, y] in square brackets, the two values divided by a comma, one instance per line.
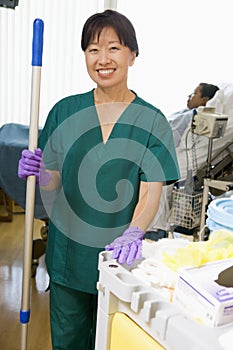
[37, 48]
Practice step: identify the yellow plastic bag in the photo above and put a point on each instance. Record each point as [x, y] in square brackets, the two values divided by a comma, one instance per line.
[218, 247]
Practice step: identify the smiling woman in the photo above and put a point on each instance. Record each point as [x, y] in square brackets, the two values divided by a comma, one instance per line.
[110, 48]
[107, 62]
[112, 152]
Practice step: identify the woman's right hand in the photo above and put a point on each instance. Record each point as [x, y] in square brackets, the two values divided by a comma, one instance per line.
[31, 164]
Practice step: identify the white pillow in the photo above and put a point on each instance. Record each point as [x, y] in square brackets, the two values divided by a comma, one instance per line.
[217, 101]
[223, 99]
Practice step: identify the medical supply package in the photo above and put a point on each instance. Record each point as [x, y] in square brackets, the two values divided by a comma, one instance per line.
[205, 293]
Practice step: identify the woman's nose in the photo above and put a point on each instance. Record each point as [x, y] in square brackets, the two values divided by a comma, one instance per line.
[104, 57]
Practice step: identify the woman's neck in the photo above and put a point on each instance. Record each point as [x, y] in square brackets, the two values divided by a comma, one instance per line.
[106, 96]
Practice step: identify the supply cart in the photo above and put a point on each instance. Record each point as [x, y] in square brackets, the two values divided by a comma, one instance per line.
[134, 315]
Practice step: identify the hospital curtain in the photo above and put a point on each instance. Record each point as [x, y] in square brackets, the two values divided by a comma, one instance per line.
[63, 70]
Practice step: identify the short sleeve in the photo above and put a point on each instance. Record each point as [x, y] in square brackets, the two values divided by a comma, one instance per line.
[160, 162]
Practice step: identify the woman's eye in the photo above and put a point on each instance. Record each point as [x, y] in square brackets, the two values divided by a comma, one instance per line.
[114, 48]
[93, 50]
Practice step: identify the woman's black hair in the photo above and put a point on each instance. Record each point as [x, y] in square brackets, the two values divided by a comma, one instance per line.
[113, 19]
[208, 90]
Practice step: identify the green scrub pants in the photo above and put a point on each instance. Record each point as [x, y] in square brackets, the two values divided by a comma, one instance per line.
[72, 318]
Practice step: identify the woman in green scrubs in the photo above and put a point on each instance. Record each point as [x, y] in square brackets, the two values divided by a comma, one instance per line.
[106, 155]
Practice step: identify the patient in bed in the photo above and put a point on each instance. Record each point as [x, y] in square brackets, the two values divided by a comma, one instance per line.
[180, 120]
[204, 95]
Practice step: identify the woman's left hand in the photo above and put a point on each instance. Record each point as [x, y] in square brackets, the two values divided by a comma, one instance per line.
[127, 247]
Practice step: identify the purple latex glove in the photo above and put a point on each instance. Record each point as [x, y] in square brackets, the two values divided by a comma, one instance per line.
[127, 247]
[31, 164]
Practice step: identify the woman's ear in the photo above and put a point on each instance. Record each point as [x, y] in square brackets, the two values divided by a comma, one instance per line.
[132, 59]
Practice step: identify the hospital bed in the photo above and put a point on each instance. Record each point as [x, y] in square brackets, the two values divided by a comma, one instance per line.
[192, 154]
[223, 103]
[13, 139]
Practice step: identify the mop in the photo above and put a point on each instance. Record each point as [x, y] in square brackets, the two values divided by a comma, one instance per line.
[37, 48]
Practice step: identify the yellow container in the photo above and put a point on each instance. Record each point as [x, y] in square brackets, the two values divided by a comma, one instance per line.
[127, 335]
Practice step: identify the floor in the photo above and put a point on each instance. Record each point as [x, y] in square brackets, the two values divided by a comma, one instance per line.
[11, 262]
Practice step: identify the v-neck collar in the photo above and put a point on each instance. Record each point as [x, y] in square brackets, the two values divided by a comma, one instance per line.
[121, 116]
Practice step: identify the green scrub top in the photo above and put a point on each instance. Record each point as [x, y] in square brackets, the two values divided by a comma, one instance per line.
[100, 182]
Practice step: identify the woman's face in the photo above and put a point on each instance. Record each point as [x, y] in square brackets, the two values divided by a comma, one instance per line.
[107, 60]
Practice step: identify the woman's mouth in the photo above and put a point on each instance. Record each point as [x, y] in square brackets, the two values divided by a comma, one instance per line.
[105, 72]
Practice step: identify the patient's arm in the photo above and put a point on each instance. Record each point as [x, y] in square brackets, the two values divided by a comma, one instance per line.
[180, 124]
